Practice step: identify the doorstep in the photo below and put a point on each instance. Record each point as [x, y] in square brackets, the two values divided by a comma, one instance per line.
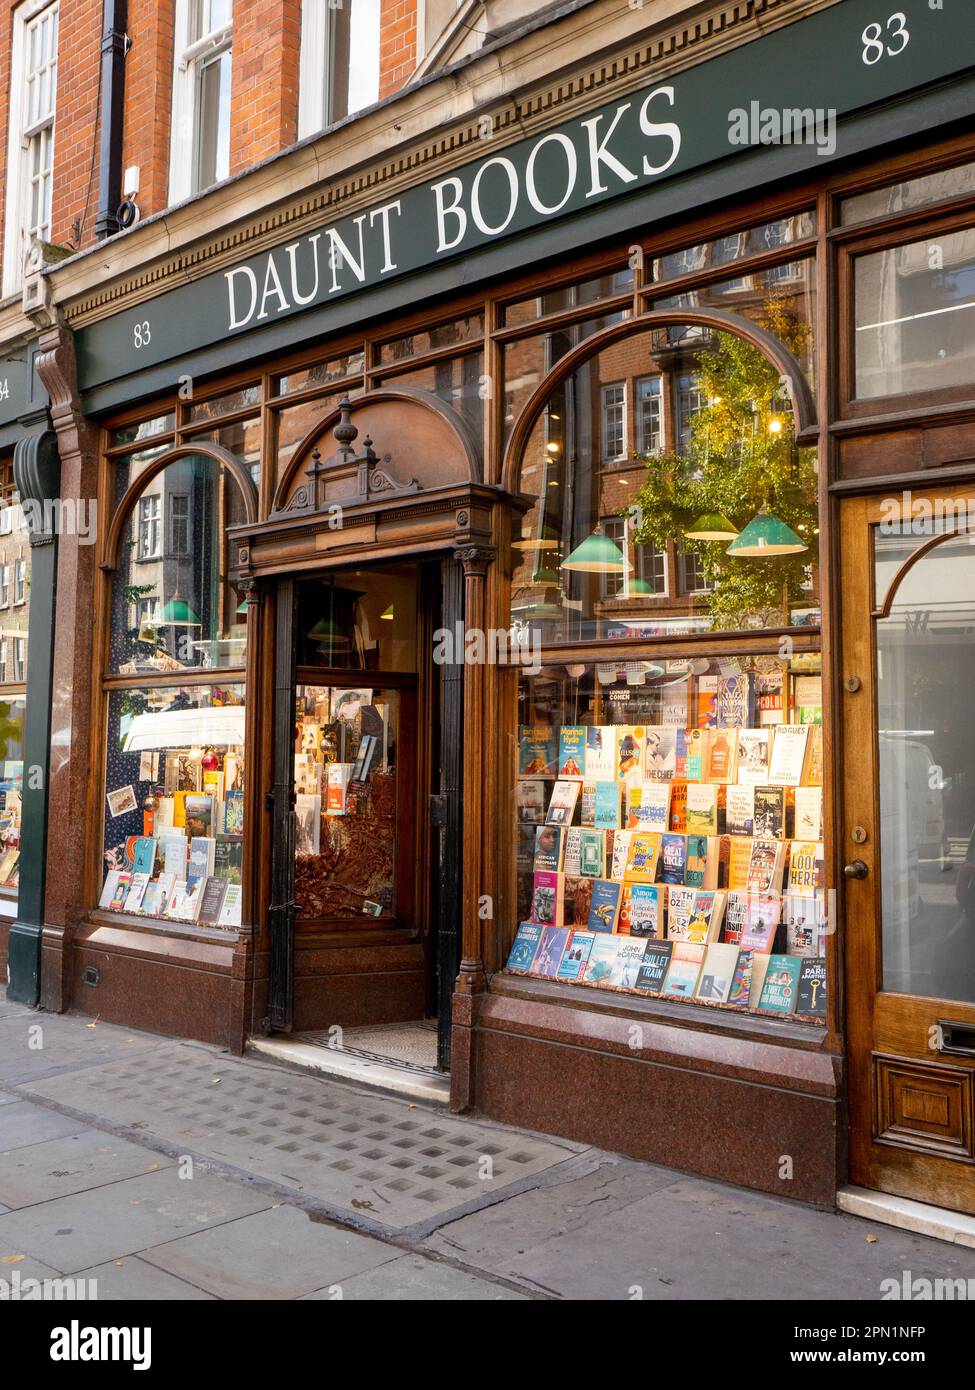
[414, 1082]
[926, 1220]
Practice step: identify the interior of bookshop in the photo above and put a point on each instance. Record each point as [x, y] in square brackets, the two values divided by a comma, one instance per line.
[670, 831]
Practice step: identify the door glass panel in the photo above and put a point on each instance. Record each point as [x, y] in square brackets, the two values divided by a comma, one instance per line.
[345, 801]
[925, 678]
[361, 620]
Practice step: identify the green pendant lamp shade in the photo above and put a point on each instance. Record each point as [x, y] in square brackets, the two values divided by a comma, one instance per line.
[546, 539]
[640, 588]
[766, 536]
[712, 526]
[597, 555]
[544, 577]
[178, 613]
[388, 614]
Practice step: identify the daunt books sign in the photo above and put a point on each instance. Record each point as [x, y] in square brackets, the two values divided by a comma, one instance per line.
[792, 86]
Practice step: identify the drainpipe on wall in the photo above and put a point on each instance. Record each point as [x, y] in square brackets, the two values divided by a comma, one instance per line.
[37, 476]
[115, 45]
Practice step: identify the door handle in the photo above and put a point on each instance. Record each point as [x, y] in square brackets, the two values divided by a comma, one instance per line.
[855, 869]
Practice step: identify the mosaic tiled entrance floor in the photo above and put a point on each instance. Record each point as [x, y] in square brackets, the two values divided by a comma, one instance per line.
[374, 1160]
[412, 1045]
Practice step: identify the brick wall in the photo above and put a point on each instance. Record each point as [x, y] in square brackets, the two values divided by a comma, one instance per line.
[264, 102]
[149, 99]
[75, 187]
[397, 44]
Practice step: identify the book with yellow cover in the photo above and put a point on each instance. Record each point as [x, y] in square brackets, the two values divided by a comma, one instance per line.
[678, 808]
[722, 755]
[805, 868]
[642, 856]
[702, 808]
[739, 862]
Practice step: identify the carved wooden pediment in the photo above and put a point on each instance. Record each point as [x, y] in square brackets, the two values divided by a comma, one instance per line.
[346, 478]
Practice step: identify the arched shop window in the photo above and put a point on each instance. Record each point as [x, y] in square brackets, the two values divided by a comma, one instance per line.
[668, 812]
[14, 606]
[174, 691]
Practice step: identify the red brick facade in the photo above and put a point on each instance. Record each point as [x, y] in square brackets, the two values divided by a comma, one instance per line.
[264, 97]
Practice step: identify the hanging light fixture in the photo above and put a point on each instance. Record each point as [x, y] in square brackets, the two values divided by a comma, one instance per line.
[544, 577]
[387, 614]
[640, 588]
[765, 536]
[712, 526]
[597, 555]
[178, 613]
[546, 539]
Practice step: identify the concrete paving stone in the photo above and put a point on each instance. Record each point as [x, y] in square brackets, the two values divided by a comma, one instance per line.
[277, 1254]
[414, 1279]
[68, 1045]
[87, 1159]
[370, 1156]
[17, 1265]
[700, 1240]
[108, 1223]
[26, 1124]
[8, 1009]
[132, 1278]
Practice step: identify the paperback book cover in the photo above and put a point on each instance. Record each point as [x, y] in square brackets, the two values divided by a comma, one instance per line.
[754, 747]
[537, 750]
[761, 923]
[701, 869]
[718, 973]
[211, 901]
[788, 754]
[122, 885]
[769, 819]
[629, 958]
[145, 855]
[675, 704]
[686, 964]
[623, 917]
[607, 815]
[806, 865]
[678, 808]
[550, 848]
[680, 756]
[198, 815]
[642, 856]
[680, 907]
[531, 800]
[649, 806]
[739, 860]
[202, 855]
[805, 925]
[137, 891]
[572, 850]
[562, 806]
[813, 770]
[766, 866]
[741, 980]
[660, 757]
[231, 909]
[735, 917]
[548, 956]
[779, 987]
[702, 808]
[233, 813]
[153, 899]
[722, 752]
[707, 700]
[575, 956]
[653, 968]
[572, 752]
[601, 966]
[605, 906]
[619, 855]
[646, 909]
[769, 688]
[734, 702]
[592, 854]
[740, 810]
[109, 887]
[811, 990]
[629, 752]
[576, 901]
[673, 858]
[760, 960]
[547, 899]
[600, 753]
[696, 753]
[807, 699]
[808, 819]
[523, 948]
[587, 804]
[705, 920]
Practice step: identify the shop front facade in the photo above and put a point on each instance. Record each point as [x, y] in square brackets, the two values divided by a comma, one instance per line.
[531, 600]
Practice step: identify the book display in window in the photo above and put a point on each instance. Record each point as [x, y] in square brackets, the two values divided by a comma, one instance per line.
[174, 803]
[685, 863]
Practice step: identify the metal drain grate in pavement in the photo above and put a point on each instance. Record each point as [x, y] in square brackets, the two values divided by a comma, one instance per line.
[378, 1157]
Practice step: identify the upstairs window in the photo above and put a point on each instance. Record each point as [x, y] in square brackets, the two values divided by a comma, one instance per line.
[200, 147]
[339, 72]
[30, 147]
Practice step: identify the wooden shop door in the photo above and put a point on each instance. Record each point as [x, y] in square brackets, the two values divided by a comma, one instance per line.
[908, 830]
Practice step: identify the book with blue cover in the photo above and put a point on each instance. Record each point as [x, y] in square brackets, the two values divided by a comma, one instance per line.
[523, 947]
[575, 956]
[605, 906]
[781, 984]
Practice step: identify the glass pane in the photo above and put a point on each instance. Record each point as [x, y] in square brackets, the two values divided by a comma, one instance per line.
[912, 193]
[145, 429]
[738, 246]
[174, 610]
[321, 373]
[444, 335]
[715, 473]
[457, 381]
[554, 301]
[527, 360]
[12, 714]
[174, 803]
[213, 120]
[295, 423]
[242, 438]
[925, 673]
[915, 316]
[216, 406]
[668, 830]
[354, 57]
[345, 801]
[363, 620]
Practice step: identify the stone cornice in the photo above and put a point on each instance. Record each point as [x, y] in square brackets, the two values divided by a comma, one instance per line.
[524, 85]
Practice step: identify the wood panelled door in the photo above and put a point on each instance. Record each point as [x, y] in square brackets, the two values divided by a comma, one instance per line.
[908, 828]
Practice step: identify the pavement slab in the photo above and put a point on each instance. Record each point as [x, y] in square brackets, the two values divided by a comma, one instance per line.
[281, 1253]
[108, 1223]
[35, 1045]
[24, 1124]
[58, 1167]
[133, 1278]
[415, 1279]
